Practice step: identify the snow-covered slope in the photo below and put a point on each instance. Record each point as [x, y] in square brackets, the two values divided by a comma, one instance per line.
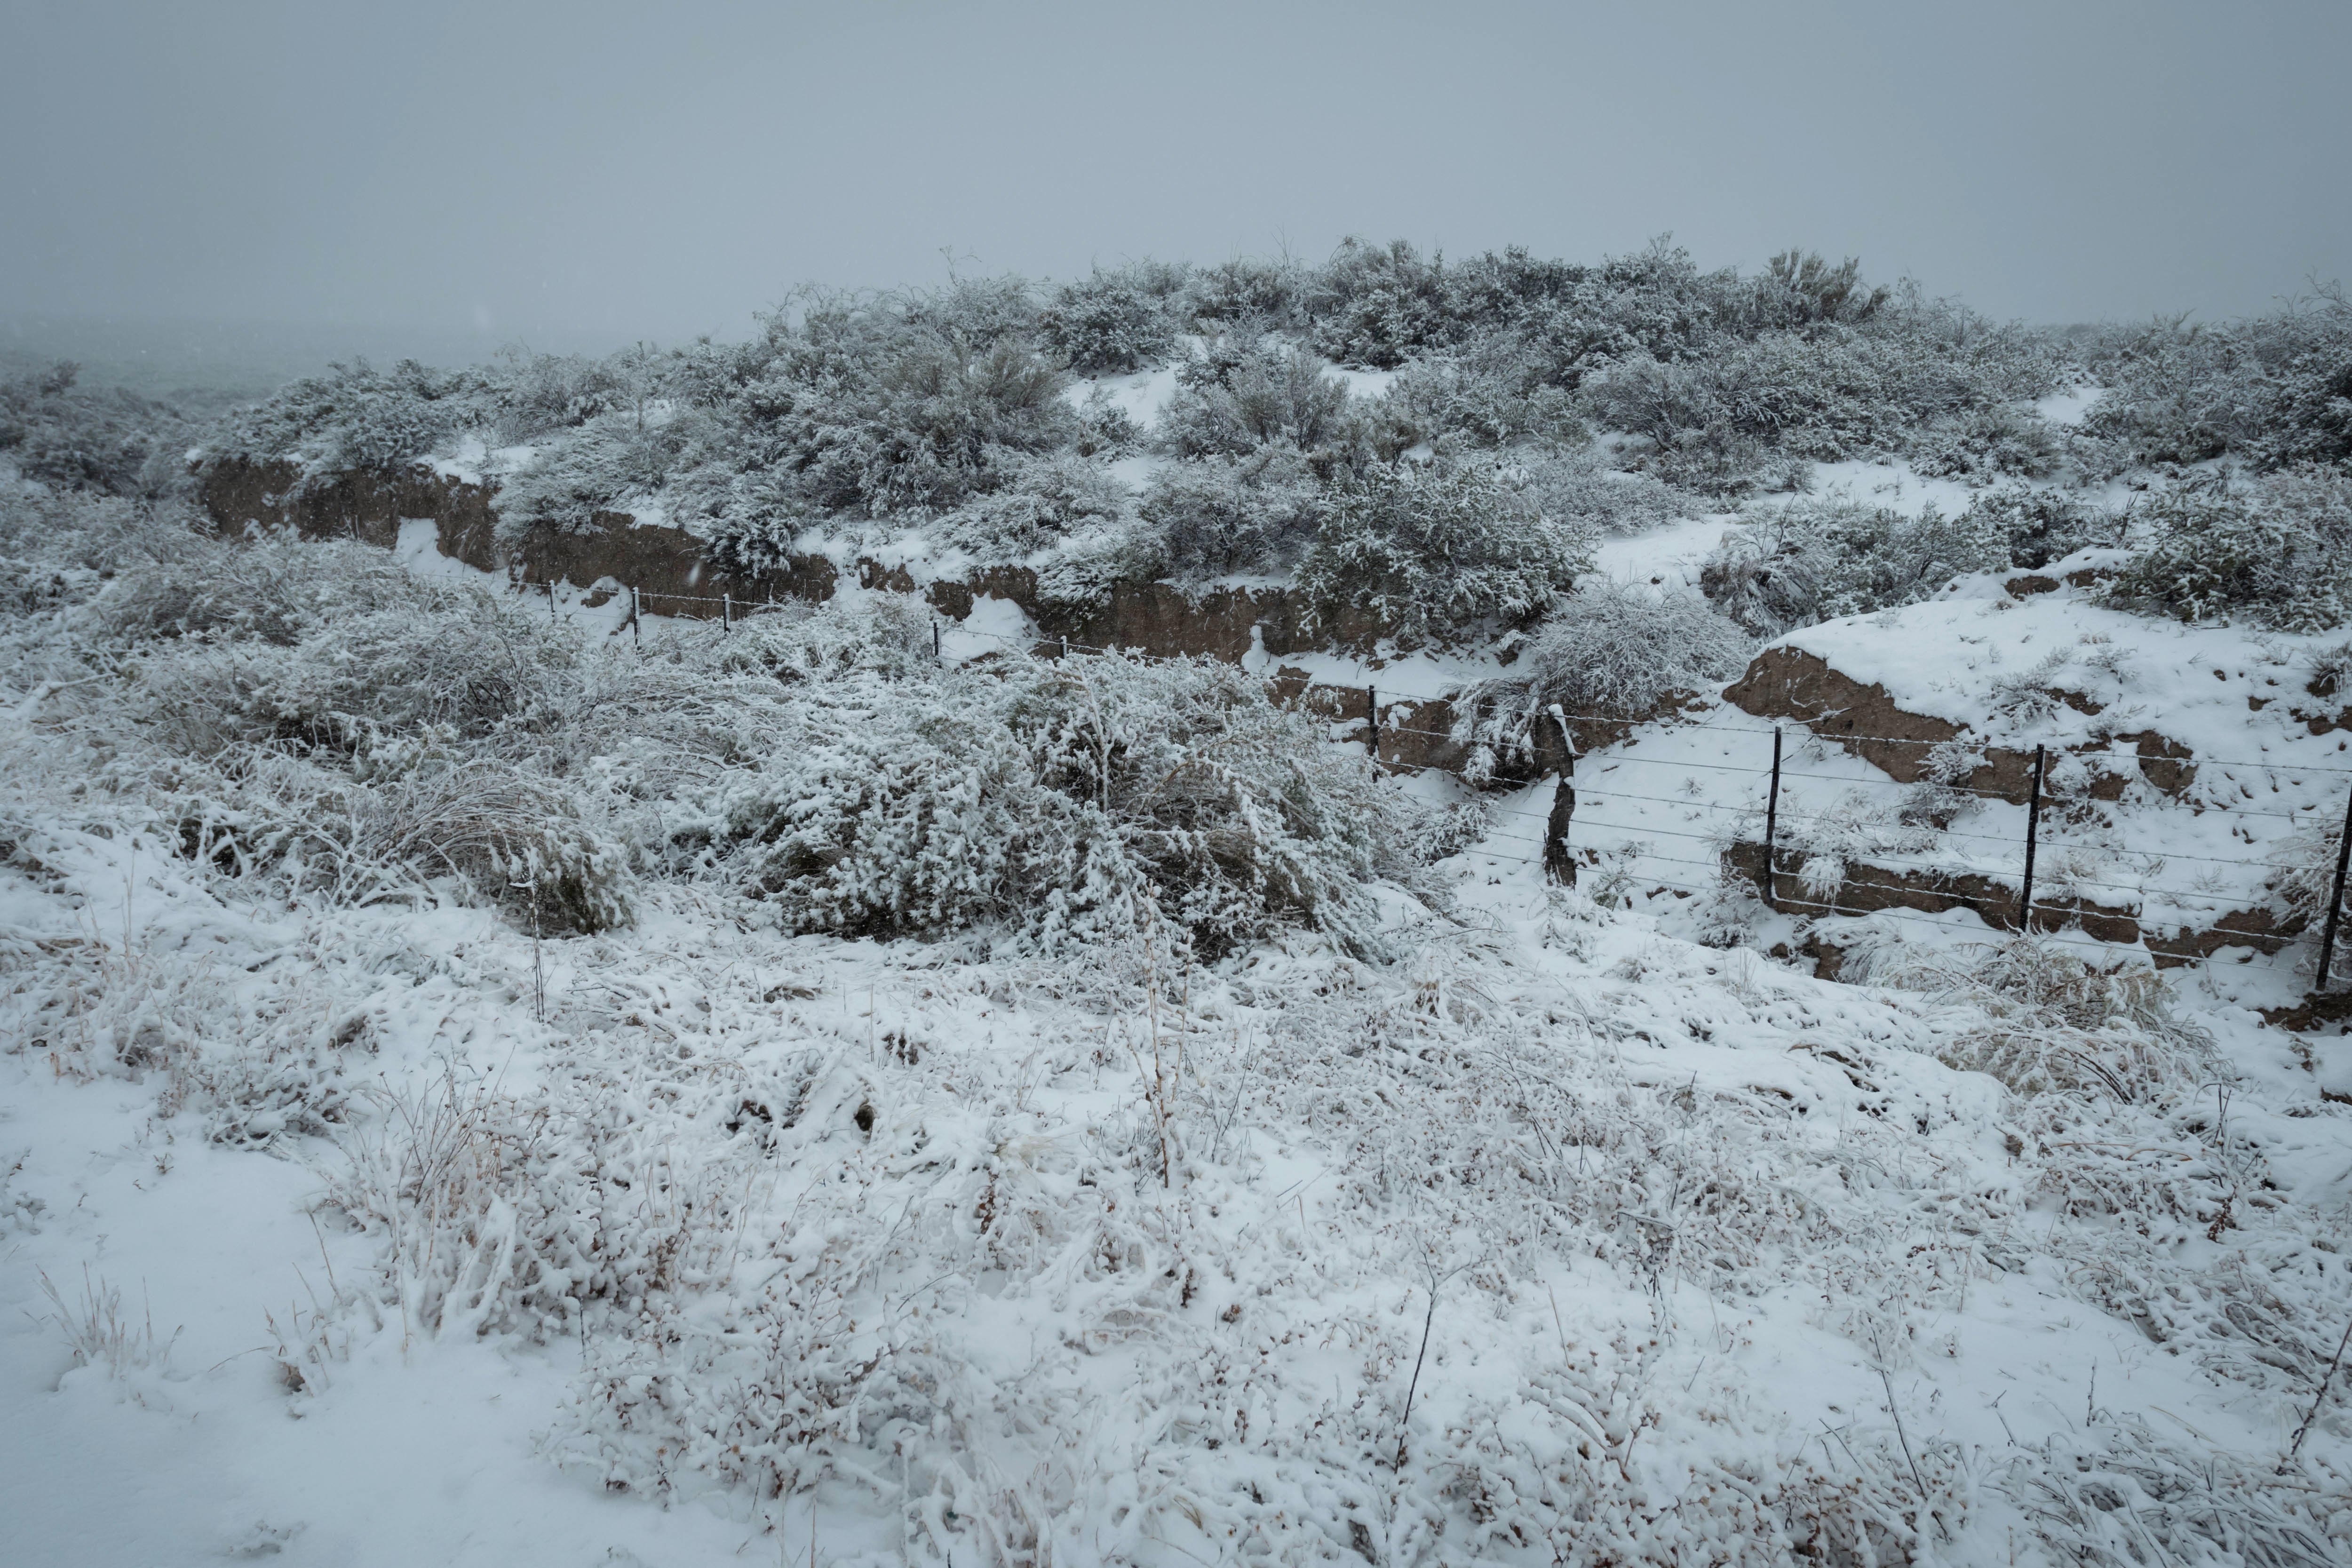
[1673, 1255]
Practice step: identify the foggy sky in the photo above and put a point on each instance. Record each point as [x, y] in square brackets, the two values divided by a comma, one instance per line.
[615, 171]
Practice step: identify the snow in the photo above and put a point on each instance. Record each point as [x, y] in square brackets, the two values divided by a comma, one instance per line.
[1140, 1260]
[1668, 555]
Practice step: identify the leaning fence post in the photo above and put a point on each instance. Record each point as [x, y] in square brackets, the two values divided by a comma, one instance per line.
[2032, 830]
[2335, 902]
[636, 635]
[1373, 722]
[1559, 865]
[1773, 821]
[551, 600]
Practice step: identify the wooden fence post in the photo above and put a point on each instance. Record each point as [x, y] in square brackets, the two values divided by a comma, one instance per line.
[1560, 863]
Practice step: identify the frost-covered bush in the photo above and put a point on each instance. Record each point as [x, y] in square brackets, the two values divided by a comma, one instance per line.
[870, 407]
[2278, 553]
[529, 395]
[1612, 649]
[2040, 523]
[1108, 323]
[1246, 294]
[1066, 804]
[598, 465]
[1609, 651]
[1377, 305]
[354, 416]
[1918, 375]
[1219, 515]
[1242, 396]
[2274, 390]
[56, 433]
[1491, 391]
[1580, 486]
[1048, 499]
[1428, 552]
[1816, 560]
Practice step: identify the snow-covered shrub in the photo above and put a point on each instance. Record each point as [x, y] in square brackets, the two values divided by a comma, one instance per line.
[1091, 563]
[1246, 294]
[59, 434]
[1108, 323]
[1610, 651]
[2277, 552]
[1218, 515]
[1581, 486]
[1048, 499]
[1491, 391]
[2275, 390]
[1376, 305]
[1061, 805]
[354, 416]
[2055, 1023]
[2040, 523]
[1813, 560]
[530, 395]
[597, 465]
[869, 407]
[1242, 396]
[1430, 551]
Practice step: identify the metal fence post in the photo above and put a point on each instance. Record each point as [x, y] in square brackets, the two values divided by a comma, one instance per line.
[1373, 722]
[2335, 902]
[637, 633]
[1773, 821]
[726, 612]
[551, 600]
[2033, 832]
[935, 637]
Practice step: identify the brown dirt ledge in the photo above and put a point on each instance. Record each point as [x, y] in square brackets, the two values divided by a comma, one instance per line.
[1791, 683]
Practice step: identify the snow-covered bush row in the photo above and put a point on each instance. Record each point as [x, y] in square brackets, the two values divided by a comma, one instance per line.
[847, 411]
[329, 720]
[1803, 561]
[2272, 390]
[58, 434]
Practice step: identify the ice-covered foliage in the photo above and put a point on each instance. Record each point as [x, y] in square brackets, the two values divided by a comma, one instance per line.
[1916, 376]
[1065, 805]
[59, 434]
[1218, 515]
[1047, 499]
[332, 721]
[1110, 322]
[1609, 651]
[2272, 390]
[1243, 394]
[1806, 561]
[2277, 550]
[1431, 551]
[354, 416]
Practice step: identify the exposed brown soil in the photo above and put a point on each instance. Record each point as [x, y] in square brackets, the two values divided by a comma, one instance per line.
[1791, 683]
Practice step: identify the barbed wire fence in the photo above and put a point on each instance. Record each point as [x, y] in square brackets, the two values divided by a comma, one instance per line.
[2019, 911]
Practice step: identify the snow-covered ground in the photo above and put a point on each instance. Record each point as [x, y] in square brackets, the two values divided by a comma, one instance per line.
[1555, 1238]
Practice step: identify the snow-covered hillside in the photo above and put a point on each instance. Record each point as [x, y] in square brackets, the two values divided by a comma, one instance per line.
[379, 1223]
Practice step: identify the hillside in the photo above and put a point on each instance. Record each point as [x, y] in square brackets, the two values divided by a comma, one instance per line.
[793, 951]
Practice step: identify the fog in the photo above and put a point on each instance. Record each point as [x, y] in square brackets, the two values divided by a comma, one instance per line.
[280, 179]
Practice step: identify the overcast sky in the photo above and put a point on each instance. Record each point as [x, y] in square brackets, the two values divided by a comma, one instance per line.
[607, 170]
